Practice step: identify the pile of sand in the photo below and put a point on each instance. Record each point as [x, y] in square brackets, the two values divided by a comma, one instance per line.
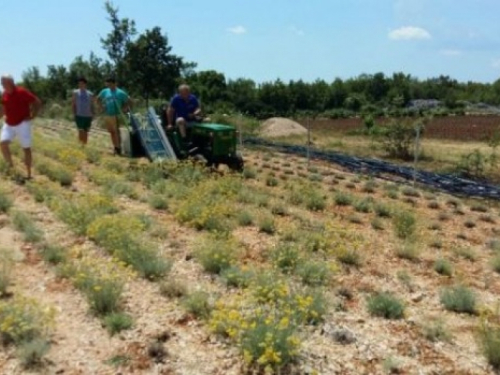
[281, 127]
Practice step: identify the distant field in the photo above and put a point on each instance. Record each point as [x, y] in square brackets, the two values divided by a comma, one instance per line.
[461, 128]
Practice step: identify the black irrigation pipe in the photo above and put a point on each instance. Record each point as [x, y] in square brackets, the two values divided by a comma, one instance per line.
[448, 183]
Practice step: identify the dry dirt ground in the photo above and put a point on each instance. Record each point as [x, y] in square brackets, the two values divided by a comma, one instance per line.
[80, 345]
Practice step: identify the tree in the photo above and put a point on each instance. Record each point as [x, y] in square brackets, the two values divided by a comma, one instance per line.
[117, 41]
[154, 69]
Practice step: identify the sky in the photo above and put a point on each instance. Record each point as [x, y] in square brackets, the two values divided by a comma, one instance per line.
[269, 39]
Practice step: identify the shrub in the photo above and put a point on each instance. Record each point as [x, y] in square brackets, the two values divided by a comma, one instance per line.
[5, 201]
[216, 254]
[271, 181]
[369, 187]
[270, 342]
[238, 277]
[286, 257]
[279, 210]
[459, 299]
[495, 263]
[266, 224]
[245, 218]
[249, 173]
[487, 218]
[363, 205]
[23, 320]
[434, 205]
[55, 172]
[315, 201]
[443, 267]
[350, 258]
[386, 306]
[314, 273]
[408, 251]
[25, 224]
[117, 322]
[355, 219]
[343, 199]
[5, 272]
[466, 253]
[122, 236]
[53, 254]
[405, 224]
[398, 137]
[478, 207]
[489, 340]
[470, 224]
[435, 330]
[411, 192]
[378, 224]
[392, 194]
[443, 216]
[382, 210]
[198, 304]
[173, 288]
[31, 353]
[158, 202]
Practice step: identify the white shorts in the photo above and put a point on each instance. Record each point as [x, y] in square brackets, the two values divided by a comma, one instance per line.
[23, 131]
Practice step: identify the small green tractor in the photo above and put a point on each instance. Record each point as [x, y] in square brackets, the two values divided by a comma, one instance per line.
[208, 143]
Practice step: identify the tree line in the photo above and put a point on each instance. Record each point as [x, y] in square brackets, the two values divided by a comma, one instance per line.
[147, 68]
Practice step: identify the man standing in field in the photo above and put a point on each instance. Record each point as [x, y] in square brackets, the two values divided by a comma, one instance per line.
[114, 101]
[183, 109]
[19, 107]
[83, 110]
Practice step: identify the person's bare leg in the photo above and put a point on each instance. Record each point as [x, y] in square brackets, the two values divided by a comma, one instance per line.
[83, 137]
[6, 153]
[28, 160]
[181, 124]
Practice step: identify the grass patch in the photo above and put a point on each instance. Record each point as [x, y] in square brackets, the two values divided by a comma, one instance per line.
[495, 263]
[238, 277]
[26, 225]
[343, 199]
[489, 341]
[459, 299]
[470, 224]
[117, 322]
[244, 218]
[158, 202]
[266, 224]
[5, 201]
[478, 207]
[216, 254]
[198, 304]
[435, 330]
[364, 205]
[382, 210]
[378, 224]
[314, 273]
[409, 251]
[385, 305]
[411, 192]
[405, 225]
[286, 257]
[173, 288]
[31, 353]
[466, 253]
[443, 267]
[6, 264]
[53, 254]
[55, 172]
[350, 258]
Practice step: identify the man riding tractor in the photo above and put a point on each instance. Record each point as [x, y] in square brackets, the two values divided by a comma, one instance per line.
[183, 111]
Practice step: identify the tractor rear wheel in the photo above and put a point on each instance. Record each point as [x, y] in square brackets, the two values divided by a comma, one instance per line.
[236, 163]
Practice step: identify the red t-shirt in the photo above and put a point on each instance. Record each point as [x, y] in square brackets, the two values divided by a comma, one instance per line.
[16, 105]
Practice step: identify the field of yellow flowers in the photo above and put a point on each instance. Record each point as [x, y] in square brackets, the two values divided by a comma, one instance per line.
[111, 265]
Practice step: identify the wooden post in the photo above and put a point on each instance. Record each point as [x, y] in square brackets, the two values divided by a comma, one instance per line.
[308, 141]
[417, 152]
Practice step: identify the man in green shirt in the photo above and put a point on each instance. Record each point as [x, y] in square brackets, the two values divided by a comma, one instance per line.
[113, 101]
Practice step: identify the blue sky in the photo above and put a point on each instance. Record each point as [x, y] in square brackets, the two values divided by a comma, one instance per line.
[269, 39]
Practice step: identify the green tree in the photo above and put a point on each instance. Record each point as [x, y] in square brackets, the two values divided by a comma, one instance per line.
[156, 70]
[118, 39]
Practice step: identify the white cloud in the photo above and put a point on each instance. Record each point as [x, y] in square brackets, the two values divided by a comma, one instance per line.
[297, 31]
[238, 30]
[451, 52]
[409, 33]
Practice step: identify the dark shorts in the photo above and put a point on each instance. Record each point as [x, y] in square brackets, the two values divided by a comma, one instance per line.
[83, 123]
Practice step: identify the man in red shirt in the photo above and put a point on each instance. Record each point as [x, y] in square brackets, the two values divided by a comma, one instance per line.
[19, 107]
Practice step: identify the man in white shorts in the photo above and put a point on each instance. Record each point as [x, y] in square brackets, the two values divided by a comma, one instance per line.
[19, 106]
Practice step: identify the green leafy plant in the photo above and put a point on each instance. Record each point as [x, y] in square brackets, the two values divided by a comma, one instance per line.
[117, 322]
[405, 224]
[216, 254]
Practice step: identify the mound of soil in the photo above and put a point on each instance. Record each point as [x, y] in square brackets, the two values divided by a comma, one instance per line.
[281, 127]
